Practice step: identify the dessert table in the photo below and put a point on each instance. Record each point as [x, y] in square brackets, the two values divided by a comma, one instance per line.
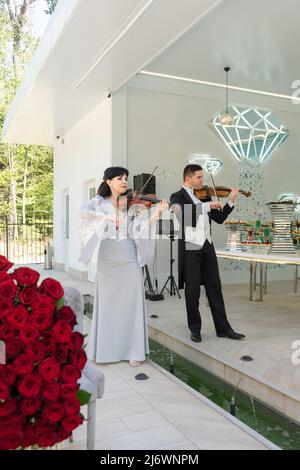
[261, 260]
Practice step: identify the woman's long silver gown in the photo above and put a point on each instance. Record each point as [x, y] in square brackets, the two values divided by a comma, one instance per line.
[119, 325]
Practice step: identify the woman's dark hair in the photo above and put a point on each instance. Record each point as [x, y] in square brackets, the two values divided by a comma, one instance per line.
[109, 174]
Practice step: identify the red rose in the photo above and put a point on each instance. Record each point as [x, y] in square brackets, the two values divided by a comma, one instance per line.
[70, 374]
[53, 412]
[29, 333]
[30, 386]
[27, 296]
[44, 427]
[7, 332]
[48, 440]
[67, 314]
[10, 425]
[72, 406]
[5, 265]
[6, 306]
[30, 436]
[11, 442]
[41, 320]
[36, 349]
[29, 406]
[8, 290]
[77, 340]
[4, 390]
[69, 389]
[7, 374]
[49, 341]
[51, 391]
[62, 435]
[26, 276]
[17, 317]
[23, 364]
[78, 358]
[72, 422]
[8, 407]
[13, 347]
[38, 385]
[52, 288]
[43, 304]
[61, 352]
[62, 331]
[49, 369]
[4, 277]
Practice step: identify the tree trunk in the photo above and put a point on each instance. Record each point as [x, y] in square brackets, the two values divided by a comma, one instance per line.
[24, 186]
[13, 215]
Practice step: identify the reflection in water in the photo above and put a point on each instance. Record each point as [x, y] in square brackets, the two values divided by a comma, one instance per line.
[271, 425]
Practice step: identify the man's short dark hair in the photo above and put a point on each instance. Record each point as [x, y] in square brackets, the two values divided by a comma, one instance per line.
[190, 170]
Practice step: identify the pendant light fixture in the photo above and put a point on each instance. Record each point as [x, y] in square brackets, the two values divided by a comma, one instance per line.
[226, 118]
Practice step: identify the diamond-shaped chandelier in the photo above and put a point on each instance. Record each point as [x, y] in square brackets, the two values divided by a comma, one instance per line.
[254, 135]
[208, 163]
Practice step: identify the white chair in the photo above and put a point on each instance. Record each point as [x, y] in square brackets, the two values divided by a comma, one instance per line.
[92, 379]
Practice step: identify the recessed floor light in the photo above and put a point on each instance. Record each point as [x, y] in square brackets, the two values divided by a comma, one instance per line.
[141, 376]
[247, 358]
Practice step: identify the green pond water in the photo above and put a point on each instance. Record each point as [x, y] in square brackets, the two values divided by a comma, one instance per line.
[278, 429]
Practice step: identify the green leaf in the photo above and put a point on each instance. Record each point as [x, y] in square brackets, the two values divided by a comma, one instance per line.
[60, 303]
[84, 397]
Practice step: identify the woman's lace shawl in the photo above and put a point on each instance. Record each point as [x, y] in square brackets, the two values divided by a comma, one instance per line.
[95, 227]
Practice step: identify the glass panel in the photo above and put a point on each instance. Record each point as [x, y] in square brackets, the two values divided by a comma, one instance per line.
[92, 192]
[67, 217]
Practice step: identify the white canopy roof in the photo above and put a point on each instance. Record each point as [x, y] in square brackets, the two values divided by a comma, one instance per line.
[90, 48]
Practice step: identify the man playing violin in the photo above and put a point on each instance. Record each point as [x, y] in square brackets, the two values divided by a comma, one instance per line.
[197, 260]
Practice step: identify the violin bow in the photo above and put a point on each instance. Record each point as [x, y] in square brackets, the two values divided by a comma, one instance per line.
[214, 186]
[143, 187]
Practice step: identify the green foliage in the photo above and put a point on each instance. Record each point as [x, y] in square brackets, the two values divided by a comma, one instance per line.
[51, 6]
[60, 303]
[32, 170]
[84, 397]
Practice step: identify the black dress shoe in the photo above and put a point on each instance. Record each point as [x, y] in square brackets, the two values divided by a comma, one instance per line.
[231, 334]
[196, 337]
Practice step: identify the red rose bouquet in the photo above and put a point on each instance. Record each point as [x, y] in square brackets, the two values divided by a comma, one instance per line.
[39, 392]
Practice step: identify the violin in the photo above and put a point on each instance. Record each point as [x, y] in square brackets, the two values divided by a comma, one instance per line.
[137, 197]
[218, 191]
[147, 200]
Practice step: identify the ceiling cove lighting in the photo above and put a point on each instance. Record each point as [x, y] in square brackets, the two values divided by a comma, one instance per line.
[219, 85]
[136, 15]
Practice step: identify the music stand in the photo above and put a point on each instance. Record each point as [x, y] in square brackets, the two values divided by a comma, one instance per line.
[166, 227]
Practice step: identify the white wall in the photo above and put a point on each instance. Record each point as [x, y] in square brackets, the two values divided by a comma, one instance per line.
[79, 161]
[157, 122]
[167, 122]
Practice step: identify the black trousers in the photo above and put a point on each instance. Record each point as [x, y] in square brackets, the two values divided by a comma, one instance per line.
[201, 267]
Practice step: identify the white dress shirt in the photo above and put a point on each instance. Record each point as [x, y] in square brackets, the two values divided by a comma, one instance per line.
[205, 210]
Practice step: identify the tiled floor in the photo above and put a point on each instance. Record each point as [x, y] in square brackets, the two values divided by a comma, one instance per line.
[157, 413]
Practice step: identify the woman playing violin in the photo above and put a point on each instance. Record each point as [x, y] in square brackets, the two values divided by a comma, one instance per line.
[125, 242]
